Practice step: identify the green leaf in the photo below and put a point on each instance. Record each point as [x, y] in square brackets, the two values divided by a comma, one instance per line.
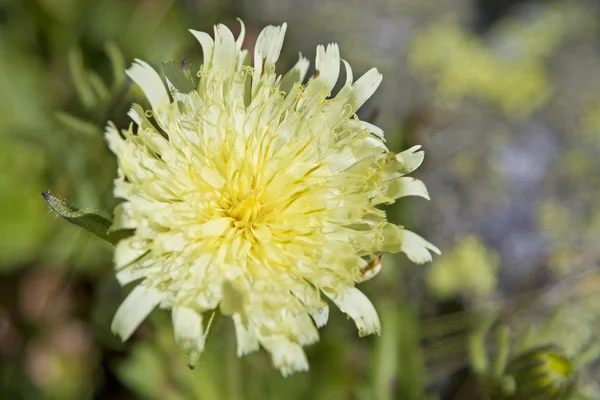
[97, 222]
[78, 125]
[80, 80]
[117, 63]
[99, 87]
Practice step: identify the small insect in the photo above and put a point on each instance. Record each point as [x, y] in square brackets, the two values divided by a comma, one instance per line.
[372, 268]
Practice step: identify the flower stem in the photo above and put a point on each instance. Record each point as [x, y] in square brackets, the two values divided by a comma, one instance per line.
[233, 367]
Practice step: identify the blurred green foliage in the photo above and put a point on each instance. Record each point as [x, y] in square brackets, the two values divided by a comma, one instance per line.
[53, 57]
[469, 270]
[509, 70]
[62, 75]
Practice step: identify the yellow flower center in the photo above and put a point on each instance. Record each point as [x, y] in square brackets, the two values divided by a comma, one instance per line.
[246, 211]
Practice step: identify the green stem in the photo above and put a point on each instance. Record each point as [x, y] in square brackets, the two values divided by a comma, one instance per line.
[233, 366]
[386, 360]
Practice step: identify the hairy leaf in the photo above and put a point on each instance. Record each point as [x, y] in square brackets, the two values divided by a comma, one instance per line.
[97, 222]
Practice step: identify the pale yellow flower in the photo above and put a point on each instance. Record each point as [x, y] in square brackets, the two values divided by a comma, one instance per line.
[256, 194]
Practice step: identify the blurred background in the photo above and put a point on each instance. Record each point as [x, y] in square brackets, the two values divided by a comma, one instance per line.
[504, 95]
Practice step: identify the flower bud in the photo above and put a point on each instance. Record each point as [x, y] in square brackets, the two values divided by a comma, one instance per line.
[543, 373]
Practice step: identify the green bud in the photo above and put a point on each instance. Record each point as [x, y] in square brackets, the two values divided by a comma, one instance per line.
[544, 373]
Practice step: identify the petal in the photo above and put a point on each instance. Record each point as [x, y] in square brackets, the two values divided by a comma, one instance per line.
[136, 113]
[302, 327]
[268, 47]
[123, 217]
[406, 186]
[207, 45]
[138, 270]
[327, 63]
[247, 341]
[188, 329]
[373, 141]
[340, 161]
[417, 249]
[216, 227]
[171, 241]
[319, 87]
[346, 90]
[287, 356]
[354, 303]
[374, 129]
[113, 138]
[240, 40]
[225, 50]
[349, 75]
[127, 251]
[405, 162]
[294, 75]
[313, 303]
[364, 88]
[212, 177]
[136, 307]
[320, 316]
[149, 81]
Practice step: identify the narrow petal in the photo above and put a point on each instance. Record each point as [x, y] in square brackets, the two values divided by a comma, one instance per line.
[127, 251]
[207, 45]
[171, 241]
[373, 141]
[320, 316]
[294, 75]
[346, 91]
[137, 270]
[340, 161]
[225, 49]
[216, 227]
[136, 113]
[318, 88]
[417, 249]
[327, 63]
[313, 303]
[213, 178]
[287, 356]
[247, 341]
[358, 307]
[136, 307]
[240, 40]
[406, 186]
[188, 329]
[123, 217]
[364, 88]
[405, 162]
[114, 139]
[374, 129]
[303, 328]
[349, 75]
[149, 81]
[268, 46]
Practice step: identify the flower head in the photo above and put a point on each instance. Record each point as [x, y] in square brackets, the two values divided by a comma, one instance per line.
[257, 195]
